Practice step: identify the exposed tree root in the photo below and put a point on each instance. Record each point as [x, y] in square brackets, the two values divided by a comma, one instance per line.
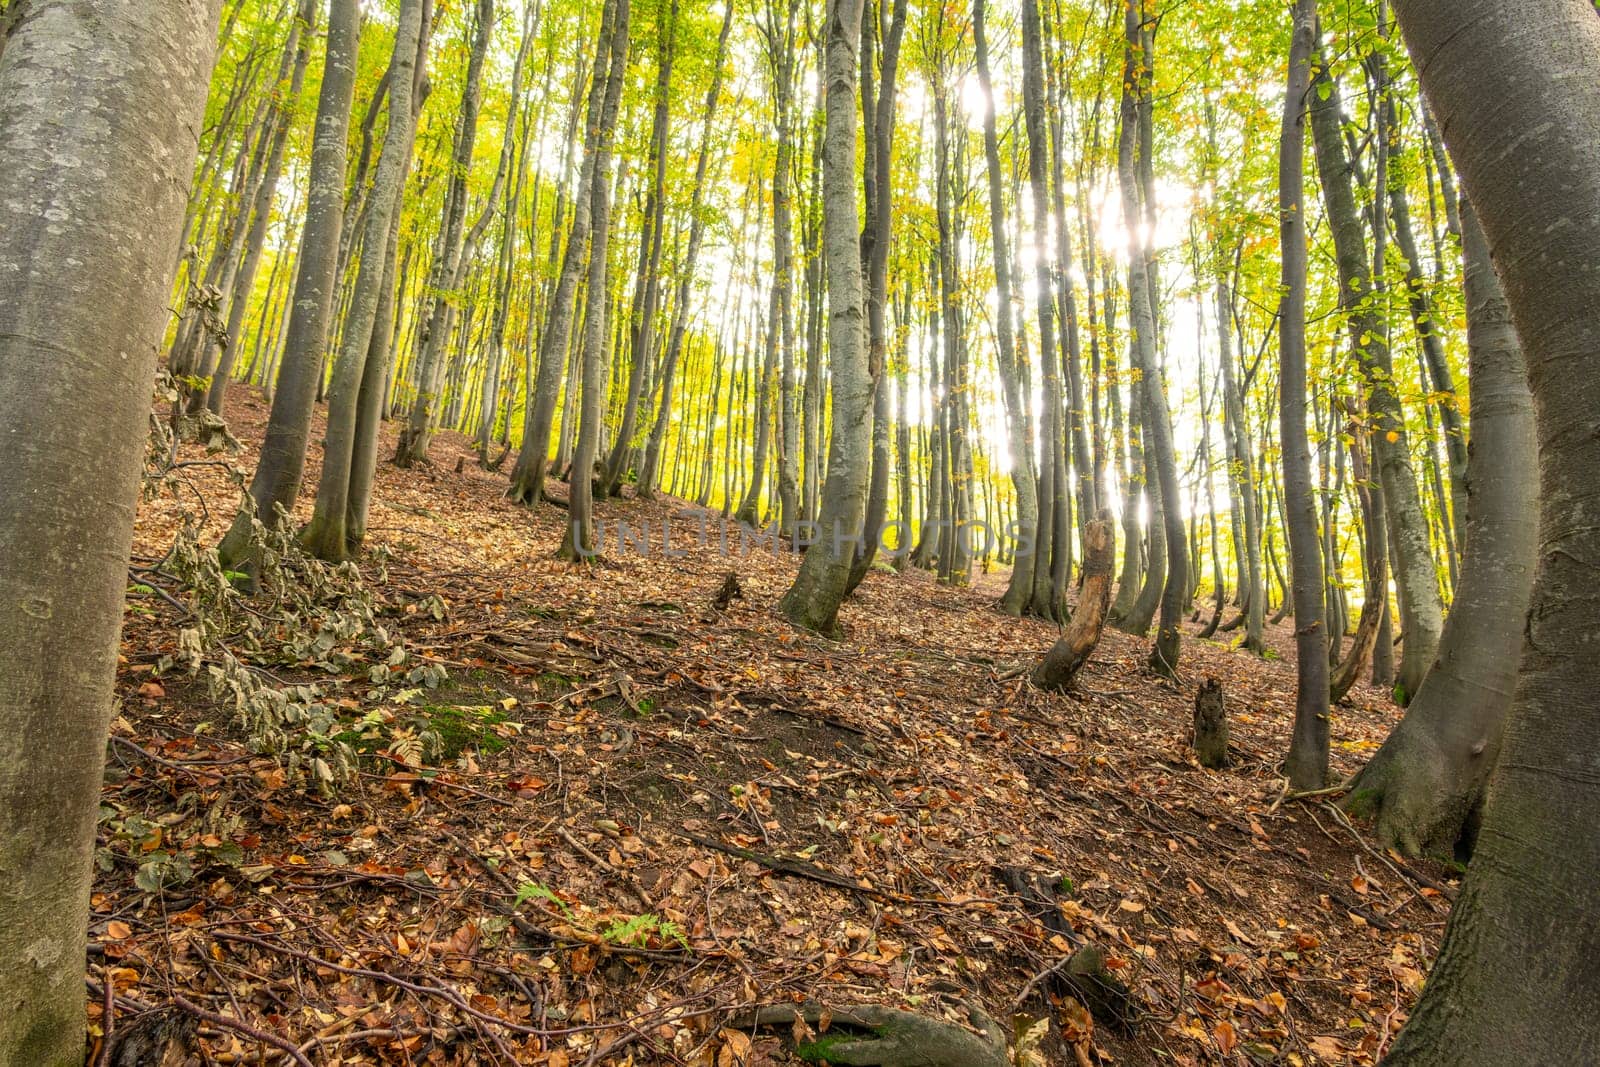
[872, 1036]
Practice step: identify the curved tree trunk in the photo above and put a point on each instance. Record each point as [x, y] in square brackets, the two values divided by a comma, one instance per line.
[1425, 784]
[1422, 613]
[93, 211]
[1082, 634]
[1514, 91]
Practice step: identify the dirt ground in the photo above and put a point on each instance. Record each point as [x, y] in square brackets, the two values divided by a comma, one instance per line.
[655, 816]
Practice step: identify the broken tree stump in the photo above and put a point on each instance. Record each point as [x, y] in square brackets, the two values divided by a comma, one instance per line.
[731, 590]
[1082, 634]
[1211, 726]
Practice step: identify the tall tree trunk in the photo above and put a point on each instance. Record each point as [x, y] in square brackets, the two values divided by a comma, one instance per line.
[878, 117]
[580, 540]
[1422, 612]
[276, 483]
[1046, 601]
[1308, 747]
[94, 209]
[1138, 100]
[448, 263]
[647, 292]
[1516, 975]
[260, 210]
[1019, 590]
[819, 588]
[533, 458]
[648, 472]
[327, 536]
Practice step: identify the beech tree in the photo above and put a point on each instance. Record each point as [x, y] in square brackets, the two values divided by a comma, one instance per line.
[1308, 751]
[813, 600]
[93, 211]
[1516, 973]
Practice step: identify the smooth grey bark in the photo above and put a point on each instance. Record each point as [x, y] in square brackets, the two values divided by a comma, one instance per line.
[1424, 786]
[1137, 103]
[1307, 765]
[580, 540]
[1019, 590]
[819, 588]
[1419, 299]
[1241, 462]
[92, 212]
[1518, 105]
[276, 482]
[1046, 601]
[327, 536]
[533, 457]
[1411, 555]
[878, 110]
[449, 264]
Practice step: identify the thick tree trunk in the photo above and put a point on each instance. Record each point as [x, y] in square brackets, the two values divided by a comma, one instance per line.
[1425, 785]
[813, 601]
[1518, 105]
[93, 209]
[1308, 748]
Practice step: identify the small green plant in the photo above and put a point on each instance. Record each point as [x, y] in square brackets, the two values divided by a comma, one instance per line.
[539, 891]
[641, 929]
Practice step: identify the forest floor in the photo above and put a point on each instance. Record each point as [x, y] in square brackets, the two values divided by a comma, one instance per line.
[654, 816]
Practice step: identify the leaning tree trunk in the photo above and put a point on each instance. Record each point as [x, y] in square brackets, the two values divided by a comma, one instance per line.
[283, 451]
[1082, 633]
[1411, 555]
[1514, 91]
[1425, 784]
[93, 210]
[813, 601]
[1308, 747]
